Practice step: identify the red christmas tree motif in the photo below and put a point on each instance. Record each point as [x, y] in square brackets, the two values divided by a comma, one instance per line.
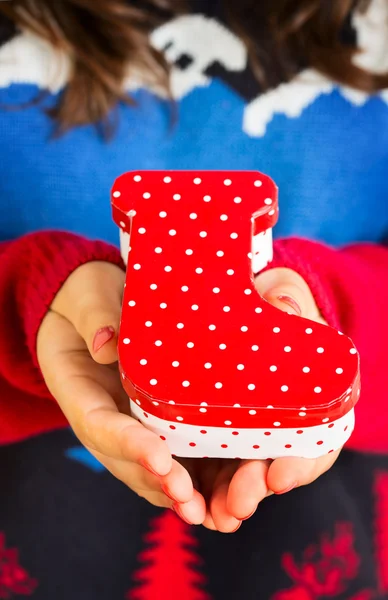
[325, 570]
[171, 565]
[14, 580]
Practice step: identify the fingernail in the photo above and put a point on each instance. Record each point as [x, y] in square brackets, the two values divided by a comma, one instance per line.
[149, 468]
[291, 303]
[249, 516]
[291, 487]
[165, 489]
[176, 508]
[237, 528]
[102, 337]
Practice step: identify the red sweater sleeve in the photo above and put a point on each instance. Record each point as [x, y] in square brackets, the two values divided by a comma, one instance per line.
[350, 287]
[32, 270]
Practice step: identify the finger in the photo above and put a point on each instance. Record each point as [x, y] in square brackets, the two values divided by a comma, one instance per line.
[223, 520]
[193, 512]
[78, 385]
[91, 300]
[209, 523]
[285, 474]
[287, 290]
[177, 485]
[247, 488]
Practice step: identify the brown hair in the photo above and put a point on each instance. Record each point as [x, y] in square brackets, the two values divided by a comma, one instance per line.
[106, 38]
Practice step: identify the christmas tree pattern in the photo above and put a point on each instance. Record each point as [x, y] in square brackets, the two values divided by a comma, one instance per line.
[170, 569]
[14, 580]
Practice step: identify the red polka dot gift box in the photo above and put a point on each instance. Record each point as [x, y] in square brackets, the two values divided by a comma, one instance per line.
[208, 364]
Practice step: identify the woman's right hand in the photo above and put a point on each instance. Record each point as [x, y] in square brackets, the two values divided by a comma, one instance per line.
[77, 354]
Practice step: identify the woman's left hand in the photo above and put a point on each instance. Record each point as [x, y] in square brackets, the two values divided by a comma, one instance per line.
[233, 489]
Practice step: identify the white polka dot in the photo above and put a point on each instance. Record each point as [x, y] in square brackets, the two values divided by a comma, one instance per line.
[116, 194]
[175, 364]
[250, 255]
[251, 387]
[320, 350]
[237, 200]
[240, 367]
[258, 183]
[153, 381]
[158, 250]
[193, 216]
[122, 224]
[208, 365]
[230, 272]
[137, 267]
[222, 346]
[255, 348]
[270, 406]
[306, 369]
[168, 269]
[163, 214]
[186, 383]
[277, 424]
[228, 422]
[325, 420]
[142, 230]
[131, 303]
[203, 234]
[189, 252]
[220, 253]
[353, 351]
[163, 305]
[148, 323]
[302, 414]
[252, 412]
[190, 345]
[228, 182]
[153, 286]
[207, 198]
[138, 402]
[244, 328]
[158, 343]
[179, 418]
[347, 398]
[273, 368]
[287, 349]
[268, 201]
[339, 371]
[271, 213]
[247, 292]
[137, 178]
[203, 410]
[184, 288]
[197, 180]
[212, 327]
[234, 236]
[258, 310]
[309, 330]
[236, 405]
[204, 404]
[276, 330]
[126, 341]
[171, 402]
[147, 195]
[172, 232]
[180, 325]
[177, 196]
[143, 362]
[155, 403]
[226, 309]
[224, 217]
[284, 388]
[195, 307]
[216, 290]
[132, 213]
[317, 390]
[167, 180]
[218, 385]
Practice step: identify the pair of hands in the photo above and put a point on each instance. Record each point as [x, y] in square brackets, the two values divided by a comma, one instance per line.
[78, 358]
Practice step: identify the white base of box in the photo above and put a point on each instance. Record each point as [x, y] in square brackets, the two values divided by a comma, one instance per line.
[194, 441]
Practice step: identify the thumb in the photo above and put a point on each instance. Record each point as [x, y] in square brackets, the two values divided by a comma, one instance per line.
[288, 291]
[91, 300]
